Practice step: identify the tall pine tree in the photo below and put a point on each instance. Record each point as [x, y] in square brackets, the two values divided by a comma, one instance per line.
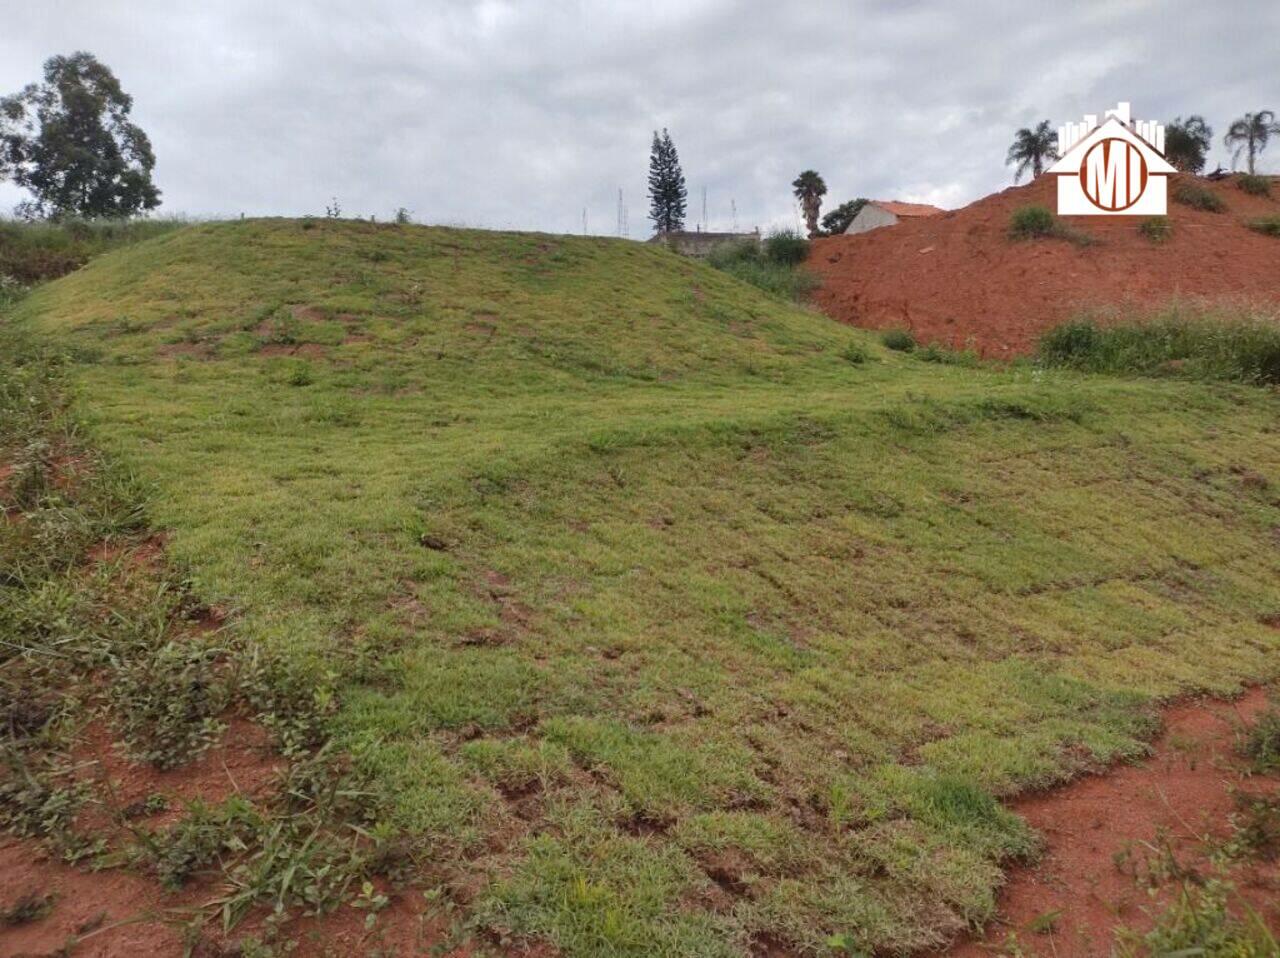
[667, 193]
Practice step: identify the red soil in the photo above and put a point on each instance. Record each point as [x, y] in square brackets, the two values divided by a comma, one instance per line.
[957, 279]
[1184, 793]
[123, 913]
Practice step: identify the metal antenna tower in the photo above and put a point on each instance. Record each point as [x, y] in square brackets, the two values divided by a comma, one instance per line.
[704, 209]
[733, 208]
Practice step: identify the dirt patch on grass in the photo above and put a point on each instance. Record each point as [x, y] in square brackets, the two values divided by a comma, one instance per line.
[123, 912]
[959, 280]
[1105, 833]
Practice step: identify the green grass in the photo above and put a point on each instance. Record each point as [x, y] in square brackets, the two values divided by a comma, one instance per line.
[1157, 229]
[1038, 222]
[38, 251]
[1266, 225]
[775, 266]
[1254, 185]
[1181, 341]
[1199, 198]
[657, 620]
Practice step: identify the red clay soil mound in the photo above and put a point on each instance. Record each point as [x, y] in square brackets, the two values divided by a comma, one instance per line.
[958, 280]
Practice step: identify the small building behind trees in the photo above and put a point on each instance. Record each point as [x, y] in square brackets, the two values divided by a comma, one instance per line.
[877, 213]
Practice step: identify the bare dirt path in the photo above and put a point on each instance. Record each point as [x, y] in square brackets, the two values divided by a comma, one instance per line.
[1106, 834]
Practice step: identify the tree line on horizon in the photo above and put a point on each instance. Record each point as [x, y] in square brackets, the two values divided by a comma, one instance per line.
[1186, 143]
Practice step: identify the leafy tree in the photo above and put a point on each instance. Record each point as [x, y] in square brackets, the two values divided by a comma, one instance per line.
[1250, 134]
[69, 140]
[1186, 142]
[1032, 149]
[838, 220]
[809, 190]
[667, 193]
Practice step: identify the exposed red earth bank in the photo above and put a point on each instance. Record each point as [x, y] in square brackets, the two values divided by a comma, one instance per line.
[957, 279]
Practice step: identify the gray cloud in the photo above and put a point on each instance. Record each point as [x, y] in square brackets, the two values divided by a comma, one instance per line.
[520, 114]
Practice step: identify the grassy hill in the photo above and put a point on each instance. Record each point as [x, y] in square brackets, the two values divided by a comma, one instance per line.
[666, 617]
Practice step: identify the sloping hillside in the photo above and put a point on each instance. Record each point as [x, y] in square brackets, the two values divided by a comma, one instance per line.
[659, 616]
[958, 279]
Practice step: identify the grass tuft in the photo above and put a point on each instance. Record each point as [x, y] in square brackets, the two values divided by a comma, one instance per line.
[1261, 742]
[1038, 222]
[1198, 198]
[1253, 184]
[1158, 229]
[1266, 225]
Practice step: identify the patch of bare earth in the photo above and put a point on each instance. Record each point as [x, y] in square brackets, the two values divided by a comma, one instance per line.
[1106, 834]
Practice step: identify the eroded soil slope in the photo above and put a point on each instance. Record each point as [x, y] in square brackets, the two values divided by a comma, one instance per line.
[959, 280]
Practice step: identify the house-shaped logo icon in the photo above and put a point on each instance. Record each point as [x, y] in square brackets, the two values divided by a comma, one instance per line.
[1116, 168]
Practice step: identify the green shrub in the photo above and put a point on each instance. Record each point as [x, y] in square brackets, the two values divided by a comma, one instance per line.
[773, 266]
[1266, 225]
[1203, 345]
[786, 248]
[1158, 229]
[855, 354]
[899, 339]
[1037, 222]
[1031, 222]
[1261, 744]
[1254, 185]
[1198, 198]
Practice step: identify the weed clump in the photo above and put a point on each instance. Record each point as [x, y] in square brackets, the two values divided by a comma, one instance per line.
[855, 354]
[1038, 222]
[899, 340]
[1158, 229]
[29, 907]
[1253, 184]
[1261, 742]
[933, 353]
[1266, 225]
[167, 703]
[776, 265]
[1198, 198]
[1032, 222]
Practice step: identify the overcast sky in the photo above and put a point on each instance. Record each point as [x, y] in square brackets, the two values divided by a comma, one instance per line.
[520, 114]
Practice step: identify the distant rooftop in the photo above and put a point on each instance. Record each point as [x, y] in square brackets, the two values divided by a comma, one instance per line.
[907, 209]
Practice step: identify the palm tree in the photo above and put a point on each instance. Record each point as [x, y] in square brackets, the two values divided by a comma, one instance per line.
[810, 189]
[1032, 149]
[1249, 135]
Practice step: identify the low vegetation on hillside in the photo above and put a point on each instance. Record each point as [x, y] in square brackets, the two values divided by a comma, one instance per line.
[654, 615]
[35, 252]
[1181, 341]
[776, 265]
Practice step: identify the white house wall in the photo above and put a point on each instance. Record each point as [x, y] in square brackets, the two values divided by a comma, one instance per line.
[870, 217]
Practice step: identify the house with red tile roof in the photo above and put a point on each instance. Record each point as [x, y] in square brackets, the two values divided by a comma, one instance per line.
[879, 213]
